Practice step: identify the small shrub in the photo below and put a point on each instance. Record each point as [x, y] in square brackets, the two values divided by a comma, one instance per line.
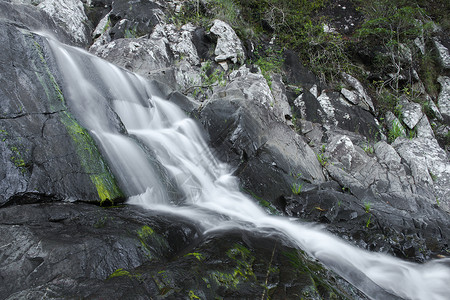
[368, 149]
[296, 188]
[395, 132]
[321, 157]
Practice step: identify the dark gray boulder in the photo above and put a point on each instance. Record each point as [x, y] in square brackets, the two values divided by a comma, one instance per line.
[70, 250]
[46, 154]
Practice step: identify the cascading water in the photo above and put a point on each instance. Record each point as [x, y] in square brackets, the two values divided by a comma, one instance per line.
[163, 163]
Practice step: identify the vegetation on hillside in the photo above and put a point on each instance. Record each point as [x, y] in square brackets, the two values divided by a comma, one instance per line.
[390, 49]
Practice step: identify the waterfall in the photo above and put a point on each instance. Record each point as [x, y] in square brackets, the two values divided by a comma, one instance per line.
[162, 162]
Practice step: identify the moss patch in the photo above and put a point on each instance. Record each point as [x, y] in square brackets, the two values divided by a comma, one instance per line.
[86, 149]
[152, 243]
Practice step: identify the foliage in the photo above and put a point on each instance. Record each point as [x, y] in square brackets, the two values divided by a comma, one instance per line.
[269, 61]
[17, 159]
[395, 131]
[192, 295]
[368, 148]
[212, 76]
[152, 243]
[244, 259]
[321, 157]
[197, 255]
[429, 69]
[121, 272]
[296, 188]
[131, 32]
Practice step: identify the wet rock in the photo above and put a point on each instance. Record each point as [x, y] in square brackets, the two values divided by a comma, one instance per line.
[246, 133]
[331, 110]
[147, 57]
[70, 16]
[42, 144]
[444, 98]
[434, 109]
[228, 46]
[386, 154]
[67, 245]
[28, 2]
[374, 225]
[281, 105]
[26, 16]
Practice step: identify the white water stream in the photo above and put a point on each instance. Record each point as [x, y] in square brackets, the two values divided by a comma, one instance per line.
[201, 186]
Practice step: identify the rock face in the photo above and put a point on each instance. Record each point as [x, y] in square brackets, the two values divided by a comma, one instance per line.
[71, 16]
[444, 98]
[300, 148]
[45, 152]
[79, 250]
[248, 135]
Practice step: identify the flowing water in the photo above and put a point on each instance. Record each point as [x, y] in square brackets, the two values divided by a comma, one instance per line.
[163, 163]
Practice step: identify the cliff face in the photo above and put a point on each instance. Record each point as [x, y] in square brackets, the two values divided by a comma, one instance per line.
[340, 122]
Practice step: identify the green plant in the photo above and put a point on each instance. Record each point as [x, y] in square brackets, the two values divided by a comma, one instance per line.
[100, 223]
[130, 33]
[368, 221]
[321, 157]
[269, 61]
[192, 295]
[412, 133]
[296, 188]
[395, 131]
[17, 159]
[197, 255]
[368, 148]
[433, 176]
[367, 207]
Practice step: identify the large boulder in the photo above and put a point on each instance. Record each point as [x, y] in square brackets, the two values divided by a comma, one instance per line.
[229, 46]
[69, 15]
[246, 133]
[67, 250]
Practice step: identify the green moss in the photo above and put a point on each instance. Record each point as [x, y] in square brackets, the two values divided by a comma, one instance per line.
[319, 283]
[243, 271]
[197, 255]
[3, 135]
[118, 273]
[268, 207]
[164, 282]
[17, 159]
[86, 149]
[152, 243]
[121, 272]
[192, 295]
